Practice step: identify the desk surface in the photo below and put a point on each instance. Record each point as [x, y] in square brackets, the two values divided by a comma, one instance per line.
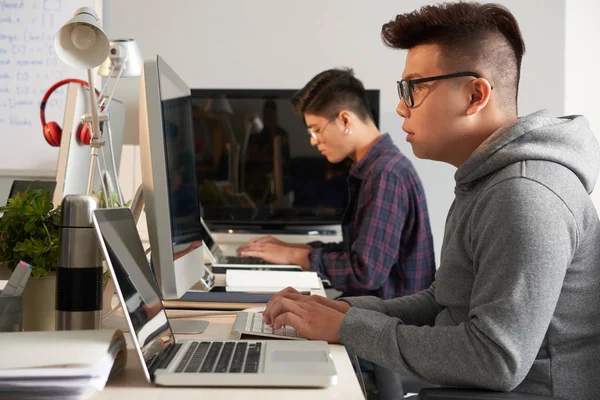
[131, 383]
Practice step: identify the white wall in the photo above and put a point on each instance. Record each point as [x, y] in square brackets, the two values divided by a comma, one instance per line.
[282, 44]
[582, 65]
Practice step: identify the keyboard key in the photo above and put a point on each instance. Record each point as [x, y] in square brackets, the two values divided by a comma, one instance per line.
[267, 329]
[237, 361]
[186, 358]
[224, 358]
[252, 358]
[257, 323]
[197, 357]
[290, 331]
[246, 260]
[259, 326]
[211, 358]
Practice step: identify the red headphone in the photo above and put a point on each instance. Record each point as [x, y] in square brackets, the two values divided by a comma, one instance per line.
[53, 131]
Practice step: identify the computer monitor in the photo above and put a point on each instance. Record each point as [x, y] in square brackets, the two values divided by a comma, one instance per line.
[169, 180]
[73, 167]
[19, 186]
[256, 167]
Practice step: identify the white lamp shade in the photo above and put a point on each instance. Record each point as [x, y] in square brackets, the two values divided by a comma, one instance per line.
[80, 42]
[125, 55]
[218, 106]
[254, 124]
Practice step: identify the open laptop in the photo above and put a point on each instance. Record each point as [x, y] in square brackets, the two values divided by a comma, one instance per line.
[220, 262]
[167, 362]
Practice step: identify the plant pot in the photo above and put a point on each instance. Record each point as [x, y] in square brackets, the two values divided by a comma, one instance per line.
[39, 299]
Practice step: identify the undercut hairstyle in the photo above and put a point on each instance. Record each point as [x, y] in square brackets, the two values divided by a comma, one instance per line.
[483, 38]
[330, 92]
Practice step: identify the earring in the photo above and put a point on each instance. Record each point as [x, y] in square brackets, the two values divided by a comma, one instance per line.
[348, 131]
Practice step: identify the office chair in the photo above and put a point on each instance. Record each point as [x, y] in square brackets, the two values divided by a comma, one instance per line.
[476, 394]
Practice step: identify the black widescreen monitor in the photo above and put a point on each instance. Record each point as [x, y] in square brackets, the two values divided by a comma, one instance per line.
[255, 165]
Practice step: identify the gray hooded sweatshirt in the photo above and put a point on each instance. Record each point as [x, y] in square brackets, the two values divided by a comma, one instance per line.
[516, 300]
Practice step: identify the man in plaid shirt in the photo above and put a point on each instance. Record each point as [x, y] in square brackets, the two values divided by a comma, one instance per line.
[387, 248]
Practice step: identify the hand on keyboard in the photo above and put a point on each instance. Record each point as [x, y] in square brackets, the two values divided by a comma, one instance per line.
[259, 326]
[275, 251]
[312, 316]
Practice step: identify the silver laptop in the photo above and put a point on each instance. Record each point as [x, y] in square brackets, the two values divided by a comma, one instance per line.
[220, 262]
[167, 362]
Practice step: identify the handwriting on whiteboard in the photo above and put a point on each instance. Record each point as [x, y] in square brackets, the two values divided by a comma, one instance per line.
[28, 67]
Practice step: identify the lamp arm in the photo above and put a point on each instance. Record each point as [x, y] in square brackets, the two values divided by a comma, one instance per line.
[112, 68]
[102, 182]
[113, 164]
[114, 88]
[95, 142]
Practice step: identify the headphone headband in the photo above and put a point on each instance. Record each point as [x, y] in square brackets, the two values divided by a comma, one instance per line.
[52, 131]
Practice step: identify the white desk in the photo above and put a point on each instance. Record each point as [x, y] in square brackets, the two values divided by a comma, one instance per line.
[131, 383]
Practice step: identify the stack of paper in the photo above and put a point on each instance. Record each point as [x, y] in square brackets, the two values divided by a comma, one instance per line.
[270, 281]
[61, 364]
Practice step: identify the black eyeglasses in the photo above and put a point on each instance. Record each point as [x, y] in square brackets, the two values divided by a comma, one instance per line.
[405, 87]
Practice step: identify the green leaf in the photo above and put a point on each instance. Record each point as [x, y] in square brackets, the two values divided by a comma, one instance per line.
[29, 231]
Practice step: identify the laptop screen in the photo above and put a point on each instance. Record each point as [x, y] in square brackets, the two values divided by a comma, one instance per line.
[209, 241]
[135, 283]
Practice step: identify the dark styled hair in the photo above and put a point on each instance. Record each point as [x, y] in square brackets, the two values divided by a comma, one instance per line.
[330, 92]
[472, 36]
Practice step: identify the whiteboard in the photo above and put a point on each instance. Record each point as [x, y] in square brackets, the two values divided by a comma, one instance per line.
[28, 67]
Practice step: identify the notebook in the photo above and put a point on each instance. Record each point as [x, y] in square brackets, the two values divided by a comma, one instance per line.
[168, 362]
[59, 364]
[270, 281]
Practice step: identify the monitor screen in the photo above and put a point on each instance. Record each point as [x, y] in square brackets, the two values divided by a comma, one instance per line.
[255, 163]
[169, 179]
[181, 177]
[20, 186]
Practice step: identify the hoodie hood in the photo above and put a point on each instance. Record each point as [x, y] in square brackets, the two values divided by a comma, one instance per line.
[539, 136]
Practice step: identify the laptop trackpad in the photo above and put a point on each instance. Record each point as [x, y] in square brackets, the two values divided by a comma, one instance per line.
[299, 356]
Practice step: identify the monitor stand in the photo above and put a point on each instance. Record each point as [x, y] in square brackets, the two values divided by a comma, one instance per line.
[116, 319]
[188, 326]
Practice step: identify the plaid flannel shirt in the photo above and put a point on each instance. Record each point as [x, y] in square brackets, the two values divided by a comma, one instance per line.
[387, 247]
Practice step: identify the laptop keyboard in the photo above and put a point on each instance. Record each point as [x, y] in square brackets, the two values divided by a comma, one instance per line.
[221, 357]
[246, 260]
[259, 326]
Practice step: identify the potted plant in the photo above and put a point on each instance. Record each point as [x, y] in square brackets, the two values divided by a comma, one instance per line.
[29, 231]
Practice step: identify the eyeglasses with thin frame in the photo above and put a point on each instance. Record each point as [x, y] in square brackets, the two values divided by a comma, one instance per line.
[313, 134]
[405, 87]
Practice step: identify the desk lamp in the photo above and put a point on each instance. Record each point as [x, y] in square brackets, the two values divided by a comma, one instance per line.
[81, 43]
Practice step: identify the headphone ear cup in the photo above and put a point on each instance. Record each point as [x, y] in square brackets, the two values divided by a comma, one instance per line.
[52, 133]
[83, 134]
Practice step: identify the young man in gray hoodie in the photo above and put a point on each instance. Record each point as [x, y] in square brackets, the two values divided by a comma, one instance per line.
[516, 301]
